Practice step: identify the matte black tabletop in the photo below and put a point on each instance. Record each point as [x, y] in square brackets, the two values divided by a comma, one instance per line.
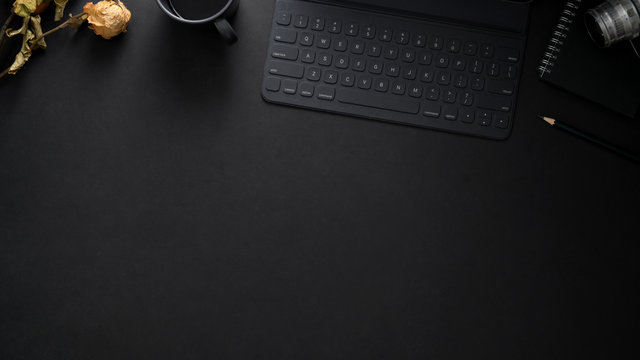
[153, 206]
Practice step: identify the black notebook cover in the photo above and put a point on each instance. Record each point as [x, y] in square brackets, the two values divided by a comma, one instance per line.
[610, 77]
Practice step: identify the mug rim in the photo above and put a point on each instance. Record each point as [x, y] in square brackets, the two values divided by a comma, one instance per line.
[190, 21]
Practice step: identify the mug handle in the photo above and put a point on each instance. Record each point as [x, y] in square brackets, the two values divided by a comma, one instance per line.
[225, 29]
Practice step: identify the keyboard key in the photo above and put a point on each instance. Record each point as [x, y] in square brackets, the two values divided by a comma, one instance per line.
[493, 69]
[359, 64]
[357, 47]
[313, 74]
[375, 67]
[283, 19]
[351, 29]
[433, 93]
[444, 78]
[486, 50]
[323, 42]
[335, 27]
[325, 59]
[340, 45]
[356, 97]
[398, 88]
[317, 24]
[287, 69]
[306, 89]
[392, 70]
[326, 93]
[386, 35]
[476, 67]
[330, 77]
[450, 113]
[435, 43]
[453, 46]
[426, 75]
[450, 96]
[467, 115]
[369, 32]
[419, 40]
[493, 102]
[390, 52]
[483, 117]
[272, 84]
[289, 87]
[408, 55]
[502, 87]
[461, 81]
[425, 58]
[285, 52]
[348, 79]
[306, 39]
[459, 64]
[442, 61]
[308, 56]
[431, 109]
[415, 91]
[381, 85]
[364, 82]
[509, 71]
[509, 55]
[501, 120]
[410, 73]
[477, 83]
[301, 21]
[470, 48]
[374, 50]
[285, 35]
[342, 62]
[402, 37]
[466, 99]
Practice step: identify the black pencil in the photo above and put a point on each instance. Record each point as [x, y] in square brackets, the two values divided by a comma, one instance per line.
[593, 139]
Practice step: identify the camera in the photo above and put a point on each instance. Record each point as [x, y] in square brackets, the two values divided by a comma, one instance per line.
[614, 21]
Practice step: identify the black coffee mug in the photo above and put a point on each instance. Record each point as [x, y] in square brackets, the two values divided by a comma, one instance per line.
[220, 18]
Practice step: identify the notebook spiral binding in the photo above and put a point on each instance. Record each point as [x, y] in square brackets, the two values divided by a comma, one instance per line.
[560, 33]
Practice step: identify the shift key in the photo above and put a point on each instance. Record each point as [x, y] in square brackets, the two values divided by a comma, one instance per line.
[494, 102]
[287, 69]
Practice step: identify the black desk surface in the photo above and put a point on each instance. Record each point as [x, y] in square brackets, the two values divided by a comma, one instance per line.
[153, 206]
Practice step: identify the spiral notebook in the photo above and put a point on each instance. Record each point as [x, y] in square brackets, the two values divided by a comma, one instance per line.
[610, 77]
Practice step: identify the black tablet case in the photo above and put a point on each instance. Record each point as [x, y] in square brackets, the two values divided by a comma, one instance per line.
[610, 77]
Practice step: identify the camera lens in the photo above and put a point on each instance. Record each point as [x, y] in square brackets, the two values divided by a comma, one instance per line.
[614, 21]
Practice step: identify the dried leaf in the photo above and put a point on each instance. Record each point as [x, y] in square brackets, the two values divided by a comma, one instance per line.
[36, 28]
[60, 5]
[24, 8]
[25, 53]
[22, 30]
[76, 22]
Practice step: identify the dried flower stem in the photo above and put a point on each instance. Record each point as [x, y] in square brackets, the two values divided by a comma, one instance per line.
[3, 34]
[35, 41]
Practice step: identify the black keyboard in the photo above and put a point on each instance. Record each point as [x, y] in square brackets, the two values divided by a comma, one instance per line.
[382, 67]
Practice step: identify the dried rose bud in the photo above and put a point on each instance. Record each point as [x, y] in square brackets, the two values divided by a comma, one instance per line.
[108, 18]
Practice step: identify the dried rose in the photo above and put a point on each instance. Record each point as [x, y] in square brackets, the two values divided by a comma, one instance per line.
[108, 18]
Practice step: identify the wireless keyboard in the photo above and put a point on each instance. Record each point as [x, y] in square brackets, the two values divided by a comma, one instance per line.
[383, 67]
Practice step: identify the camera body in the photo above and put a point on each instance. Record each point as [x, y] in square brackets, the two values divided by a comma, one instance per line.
[614, 21]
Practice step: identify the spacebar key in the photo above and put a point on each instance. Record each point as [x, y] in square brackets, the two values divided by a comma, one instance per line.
[362, 98]
[287, 69]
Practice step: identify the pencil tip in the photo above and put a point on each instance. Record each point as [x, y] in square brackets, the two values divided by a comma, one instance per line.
[548, 120]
